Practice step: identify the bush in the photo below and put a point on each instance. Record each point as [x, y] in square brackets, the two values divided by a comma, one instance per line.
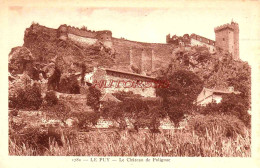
[28, 98]
[51, 98]
[60, 111]
[85, 119]
[216, 125]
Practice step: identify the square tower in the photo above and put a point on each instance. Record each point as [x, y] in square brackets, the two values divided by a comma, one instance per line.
[227, 38]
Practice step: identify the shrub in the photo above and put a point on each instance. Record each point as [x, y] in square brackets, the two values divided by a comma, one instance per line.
[28, 98]
[60, 111]
[85, 119]
[216, 125]
[51, 98]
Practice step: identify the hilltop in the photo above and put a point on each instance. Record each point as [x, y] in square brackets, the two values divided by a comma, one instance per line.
[217, 70]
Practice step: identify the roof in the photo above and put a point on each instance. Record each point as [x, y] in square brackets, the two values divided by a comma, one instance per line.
[221, 91]
[129, 73]
[109, 97]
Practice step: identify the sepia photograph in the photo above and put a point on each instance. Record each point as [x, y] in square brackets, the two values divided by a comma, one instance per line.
[131, 82]
[82, 92]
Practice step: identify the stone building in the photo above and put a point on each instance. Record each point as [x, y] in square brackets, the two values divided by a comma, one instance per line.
[207, 96]
[197, 40]
[227, 38]
[111, 81]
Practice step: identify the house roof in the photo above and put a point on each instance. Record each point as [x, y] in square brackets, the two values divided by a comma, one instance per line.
[129, 73]
[224, 91]
[109, 97]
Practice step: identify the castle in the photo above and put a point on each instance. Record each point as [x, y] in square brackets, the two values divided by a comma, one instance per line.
[226, 38]
[147, 58]
[140, 61]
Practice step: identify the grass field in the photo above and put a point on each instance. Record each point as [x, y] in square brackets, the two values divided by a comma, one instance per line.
[143, 143]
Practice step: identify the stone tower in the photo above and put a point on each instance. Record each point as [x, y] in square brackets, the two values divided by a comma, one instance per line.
[227, 38]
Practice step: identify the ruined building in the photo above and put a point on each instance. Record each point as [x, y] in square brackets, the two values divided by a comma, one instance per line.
[147, 58]
[226, 38]
[85, 37]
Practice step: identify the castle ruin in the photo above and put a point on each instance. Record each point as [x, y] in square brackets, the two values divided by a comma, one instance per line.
[226, 38]
[140, 57]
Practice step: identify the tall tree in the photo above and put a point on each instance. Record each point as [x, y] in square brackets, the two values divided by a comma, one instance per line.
[179, 97]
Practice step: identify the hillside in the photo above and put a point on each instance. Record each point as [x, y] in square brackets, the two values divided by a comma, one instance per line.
[217, 70]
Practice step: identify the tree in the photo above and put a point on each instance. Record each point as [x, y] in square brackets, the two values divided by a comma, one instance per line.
[138, 112]
[93, 98]
[236, 105]
[179, 98]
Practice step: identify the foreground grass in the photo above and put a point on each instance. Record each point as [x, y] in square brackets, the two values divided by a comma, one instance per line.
[143, 143]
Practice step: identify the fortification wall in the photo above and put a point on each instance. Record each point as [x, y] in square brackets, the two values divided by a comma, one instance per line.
[84, 41]
[162, 52]
[211, 48]
[224, 26]
[82, 33]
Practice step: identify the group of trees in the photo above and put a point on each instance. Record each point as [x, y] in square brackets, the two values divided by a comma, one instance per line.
[177, 101]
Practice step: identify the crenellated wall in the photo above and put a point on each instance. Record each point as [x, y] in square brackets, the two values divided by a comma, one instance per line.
[85, 37]
[227, 38]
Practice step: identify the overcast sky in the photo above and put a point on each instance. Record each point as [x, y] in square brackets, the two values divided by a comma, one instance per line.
[141, 24]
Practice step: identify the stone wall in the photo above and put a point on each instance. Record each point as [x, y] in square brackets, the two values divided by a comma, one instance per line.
[82, 40]
[126, 82]
[223, 39]
[146, 92]
[161, 53]
[211, 48]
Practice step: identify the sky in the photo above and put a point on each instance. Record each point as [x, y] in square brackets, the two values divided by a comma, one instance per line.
[141, 24]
